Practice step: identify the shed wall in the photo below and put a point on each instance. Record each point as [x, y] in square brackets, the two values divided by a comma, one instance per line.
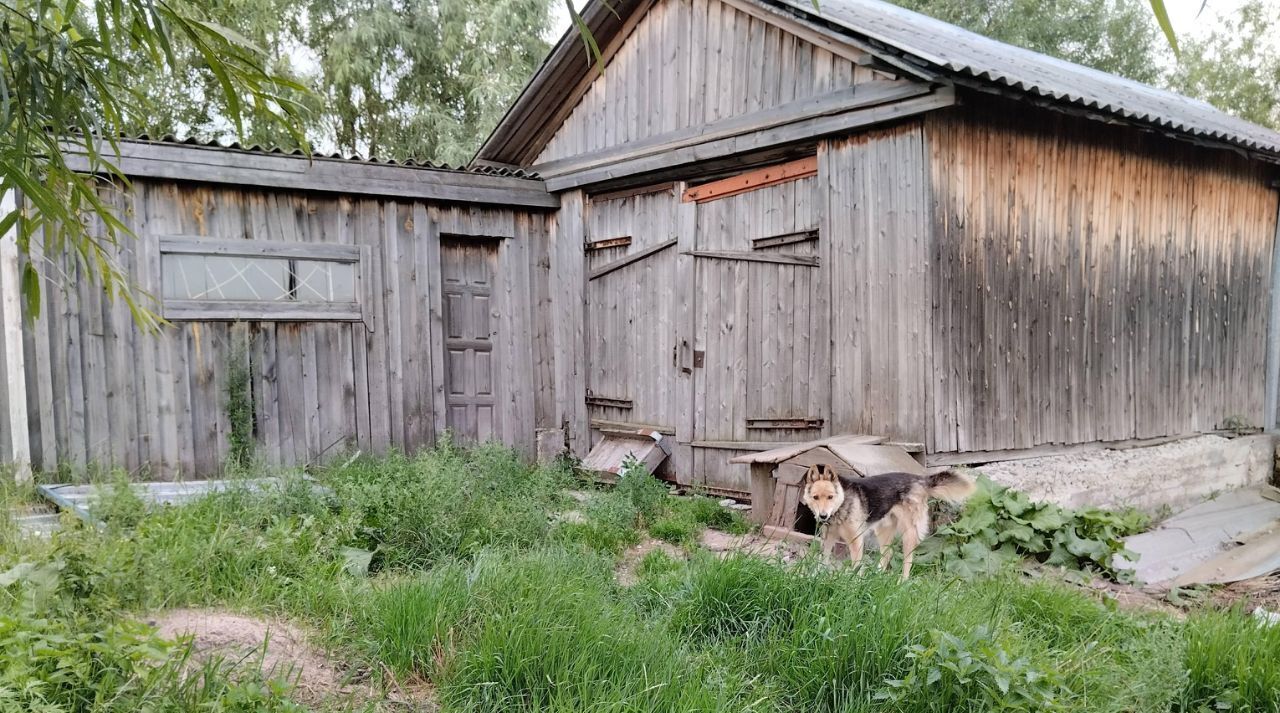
[106, 393]
[1091, 284]
[693, 62]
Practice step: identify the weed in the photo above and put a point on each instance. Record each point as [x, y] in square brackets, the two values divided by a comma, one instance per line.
[241, 439]
[1231, 665]
[973, 673]
[1000, 526]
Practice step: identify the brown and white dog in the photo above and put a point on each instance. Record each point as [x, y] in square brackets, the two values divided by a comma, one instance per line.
[888, 505]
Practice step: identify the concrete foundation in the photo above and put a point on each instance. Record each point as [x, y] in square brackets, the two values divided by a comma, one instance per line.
[1176, 475]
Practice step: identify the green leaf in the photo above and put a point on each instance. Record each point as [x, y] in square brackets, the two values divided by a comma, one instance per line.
[1048, 519]
[1162, 18]
[1020, 534]
[31, 290]
[356, 561]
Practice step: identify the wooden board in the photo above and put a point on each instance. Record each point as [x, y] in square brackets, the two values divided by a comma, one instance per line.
[649, 448]
[752, 180]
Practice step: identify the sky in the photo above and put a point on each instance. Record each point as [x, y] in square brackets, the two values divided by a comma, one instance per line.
[1185, 15]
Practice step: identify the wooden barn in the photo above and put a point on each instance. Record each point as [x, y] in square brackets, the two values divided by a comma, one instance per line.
[762, 223]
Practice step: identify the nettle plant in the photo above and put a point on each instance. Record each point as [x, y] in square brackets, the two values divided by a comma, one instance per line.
[999, 526]
[950, 673]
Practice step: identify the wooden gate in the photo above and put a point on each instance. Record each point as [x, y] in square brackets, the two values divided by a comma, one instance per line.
[760, 324]
[630, 316]
[468, 268]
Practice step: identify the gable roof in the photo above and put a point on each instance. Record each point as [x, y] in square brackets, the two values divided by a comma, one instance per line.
[905, 38]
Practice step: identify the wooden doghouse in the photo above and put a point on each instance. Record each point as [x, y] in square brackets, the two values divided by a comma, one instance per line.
[777, 476]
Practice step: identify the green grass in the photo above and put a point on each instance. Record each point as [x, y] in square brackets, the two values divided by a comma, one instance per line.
[476, 588]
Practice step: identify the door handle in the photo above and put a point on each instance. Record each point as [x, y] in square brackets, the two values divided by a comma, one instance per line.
[686, 365]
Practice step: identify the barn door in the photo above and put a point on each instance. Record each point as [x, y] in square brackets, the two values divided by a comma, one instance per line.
[630, 325]
[468, 268]
[761, 351]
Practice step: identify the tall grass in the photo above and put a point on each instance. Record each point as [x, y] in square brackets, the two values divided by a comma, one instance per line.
[544, 631]
[478, 588]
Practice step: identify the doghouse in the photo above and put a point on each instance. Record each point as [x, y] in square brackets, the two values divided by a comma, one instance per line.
[777, 476]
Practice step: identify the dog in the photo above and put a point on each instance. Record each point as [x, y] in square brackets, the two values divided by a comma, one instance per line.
[888, 505]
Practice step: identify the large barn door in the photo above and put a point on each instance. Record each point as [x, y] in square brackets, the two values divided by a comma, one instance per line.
[468, 269]
[630, 318]
[761, 352]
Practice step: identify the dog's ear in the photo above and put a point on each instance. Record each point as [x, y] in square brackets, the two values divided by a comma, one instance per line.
[813, 475]
[828, 473]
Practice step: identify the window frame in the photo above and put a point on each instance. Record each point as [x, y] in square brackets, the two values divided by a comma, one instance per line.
[265, 310]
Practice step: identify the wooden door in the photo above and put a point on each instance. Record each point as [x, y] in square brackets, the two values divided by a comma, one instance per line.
[762, 354]
[467, 274]
[630, 314]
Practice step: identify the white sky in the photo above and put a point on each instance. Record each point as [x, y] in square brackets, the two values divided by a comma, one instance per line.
[1184, 14]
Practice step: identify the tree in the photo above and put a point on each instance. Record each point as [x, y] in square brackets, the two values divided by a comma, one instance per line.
[1236, 67]
[65, 90]
[425, 79]
[1115, 36]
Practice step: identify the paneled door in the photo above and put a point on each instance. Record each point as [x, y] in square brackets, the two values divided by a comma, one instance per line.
[468, 269]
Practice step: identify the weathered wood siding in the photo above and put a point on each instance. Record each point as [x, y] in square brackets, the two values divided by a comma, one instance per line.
[692, 62]
[106, 393]
[1091, 284]
[630, 310]
[877, 223]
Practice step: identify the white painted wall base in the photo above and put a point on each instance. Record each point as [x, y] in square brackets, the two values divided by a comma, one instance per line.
[1177, 474]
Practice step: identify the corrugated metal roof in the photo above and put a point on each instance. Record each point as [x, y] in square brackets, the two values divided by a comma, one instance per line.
[335, 156]
[944, 47]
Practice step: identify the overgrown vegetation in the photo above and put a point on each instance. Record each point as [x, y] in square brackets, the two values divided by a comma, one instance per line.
[1000, 526]
[475, 583]
[240, 439]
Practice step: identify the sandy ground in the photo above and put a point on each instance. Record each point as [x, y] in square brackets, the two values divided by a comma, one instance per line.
[279, 649]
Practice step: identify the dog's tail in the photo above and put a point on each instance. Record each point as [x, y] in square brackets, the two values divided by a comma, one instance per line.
[950, 485]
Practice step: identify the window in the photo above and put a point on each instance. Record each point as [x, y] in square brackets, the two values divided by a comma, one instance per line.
[259, 280]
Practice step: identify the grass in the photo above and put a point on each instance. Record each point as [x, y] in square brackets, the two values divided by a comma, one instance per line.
[476, 587]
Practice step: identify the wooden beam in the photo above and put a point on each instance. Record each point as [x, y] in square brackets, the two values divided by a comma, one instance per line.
[741, 445]
[620, 242]
[752, 180]
[1271, 401]
[748, 256]
[263, 311]
[795, 424]
[860, 96]
[601, 424]
[201, 164]
[656, 188]
[633, 257]
[759, 141]
[610, 402]
[196, 245]
[1052, 449]
[11, 334]
[774, 241]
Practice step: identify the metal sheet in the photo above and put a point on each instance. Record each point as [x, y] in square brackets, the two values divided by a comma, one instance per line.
[937, 45]
[1202, 533]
